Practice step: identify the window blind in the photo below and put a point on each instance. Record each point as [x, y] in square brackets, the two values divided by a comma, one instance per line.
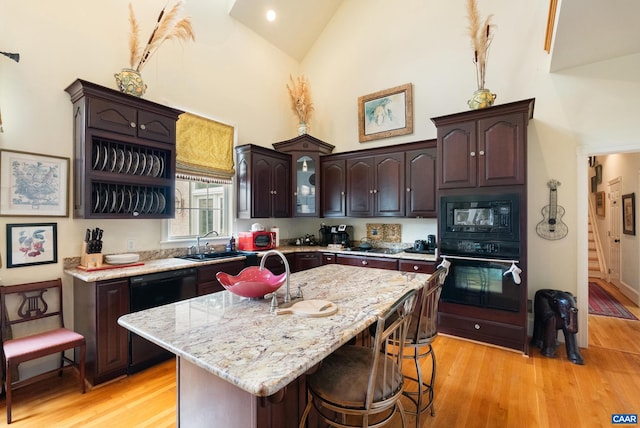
[204, 149]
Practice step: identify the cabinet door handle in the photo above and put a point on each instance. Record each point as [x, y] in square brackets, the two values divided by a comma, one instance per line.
[341, 193]
[143, 127]
[364, 263]
[472, 154]
[375, 190]
[415, 267]
[132, 124]
[370, 191]
[481, 152]
[408, 189]
[477, 326]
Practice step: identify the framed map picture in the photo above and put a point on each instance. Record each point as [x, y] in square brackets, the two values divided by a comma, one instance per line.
[33, 184]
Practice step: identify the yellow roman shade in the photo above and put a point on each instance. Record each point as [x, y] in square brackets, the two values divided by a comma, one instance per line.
[204, 149]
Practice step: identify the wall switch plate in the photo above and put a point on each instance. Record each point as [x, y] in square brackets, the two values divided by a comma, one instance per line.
[131, 245]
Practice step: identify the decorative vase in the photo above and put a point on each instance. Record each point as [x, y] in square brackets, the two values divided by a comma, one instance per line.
[130, 82]
[302, 128]
[481, 98]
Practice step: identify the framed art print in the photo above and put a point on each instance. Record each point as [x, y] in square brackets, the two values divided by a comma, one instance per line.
[31, 244]
[629, 214]
[385, 113]
[33, 184]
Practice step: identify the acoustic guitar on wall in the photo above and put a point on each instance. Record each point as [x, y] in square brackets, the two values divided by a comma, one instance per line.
[551, 227]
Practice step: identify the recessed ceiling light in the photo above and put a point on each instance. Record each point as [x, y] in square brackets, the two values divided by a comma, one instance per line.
[271, 15]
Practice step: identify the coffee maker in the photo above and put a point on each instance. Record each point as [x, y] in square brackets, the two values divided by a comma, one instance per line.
[338, 235]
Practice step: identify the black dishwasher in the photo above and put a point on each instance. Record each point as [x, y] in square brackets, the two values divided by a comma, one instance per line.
[151, 290]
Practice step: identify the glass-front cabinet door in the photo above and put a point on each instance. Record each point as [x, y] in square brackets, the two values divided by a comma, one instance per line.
[305, 152]
[305, 182]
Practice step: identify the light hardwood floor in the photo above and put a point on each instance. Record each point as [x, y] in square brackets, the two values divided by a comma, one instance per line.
[476, 386]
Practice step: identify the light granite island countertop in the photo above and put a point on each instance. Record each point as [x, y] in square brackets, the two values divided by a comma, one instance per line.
[232, 351]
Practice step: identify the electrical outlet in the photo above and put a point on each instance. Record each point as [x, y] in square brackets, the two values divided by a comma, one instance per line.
[131, 245]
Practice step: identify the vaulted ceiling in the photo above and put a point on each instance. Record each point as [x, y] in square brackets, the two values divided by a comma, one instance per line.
[587, 31]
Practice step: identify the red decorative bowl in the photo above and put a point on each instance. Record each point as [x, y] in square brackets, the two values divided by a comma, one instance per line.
[252, 282]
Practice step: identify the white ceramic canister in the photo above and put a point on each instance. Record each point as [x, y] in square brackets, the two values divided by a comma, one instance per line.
[276, 229]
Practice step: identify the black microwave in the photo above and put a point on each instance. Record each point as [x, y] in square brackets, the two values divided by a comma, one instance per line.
[492, 217]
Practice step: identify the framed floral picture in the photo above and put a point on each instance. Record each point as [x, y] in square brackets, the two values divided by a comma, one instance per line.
[385, 113]
[31, 244]
[33, 184]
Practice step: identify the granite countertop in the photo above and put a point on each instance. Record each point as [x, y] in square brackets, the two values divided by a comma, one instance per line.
[174, 263]
[240, 341]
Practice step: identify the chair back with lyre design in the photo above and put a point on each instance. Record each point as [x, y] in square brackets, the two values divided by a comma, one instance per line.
[32, 328]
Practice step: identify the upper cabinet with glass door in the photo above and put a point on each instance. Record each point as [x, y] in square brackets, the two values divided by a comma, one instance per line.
[305, 152]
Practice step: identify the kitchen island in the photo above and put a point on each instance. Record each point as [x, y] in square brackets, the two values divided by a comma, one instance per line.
[235, 359]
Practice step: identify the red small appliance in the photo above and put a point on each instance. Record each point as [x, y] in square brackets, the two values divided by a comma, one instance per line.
[256, 241]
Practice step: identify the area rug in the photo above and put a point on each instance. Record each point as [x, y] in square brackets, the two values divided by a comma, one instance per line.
[603, 303]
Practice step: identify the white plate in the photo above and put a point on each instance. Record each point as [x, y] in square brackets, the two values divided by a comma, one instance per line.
[149, 165]
[105, 158]
[96, 198]
[120, 161]
[96, 155]
[113, 159]
[142, 164]
[161, 203]
[127, 201]
[134, 165]
[136, 201]
[161, 173]
[128, 158]
[115, 259]
[155, 171]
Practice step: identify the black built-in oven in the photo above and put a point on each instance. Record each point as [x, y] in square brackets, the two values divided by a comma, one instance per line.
[480, 244]
[151, 290]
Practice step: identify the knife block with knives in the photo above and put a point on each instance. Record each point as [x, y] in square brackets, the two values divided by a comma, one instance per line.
[91, 255]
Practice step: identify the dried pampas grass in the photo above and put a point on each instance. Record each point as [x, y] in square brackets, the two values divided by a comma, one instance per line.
[169, 26]
[300, 95]
[481, 33]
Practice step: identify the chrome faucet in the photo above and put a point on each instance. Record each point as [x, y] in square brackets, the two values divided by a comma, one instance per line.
[203, 236]
[287, 295]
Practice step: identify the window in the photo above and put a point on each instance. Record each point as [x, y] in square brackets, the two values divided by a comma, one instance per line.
[201, 207]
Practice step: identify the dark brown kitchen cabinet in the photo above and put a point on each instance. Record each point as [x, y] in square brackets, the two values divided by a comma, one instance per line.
[417, 266]
[304, 261]
[264, 182]
[375, 186]
[420, 165]
[328, 258]
[124, 154]
[333, 187]
[207, 282]
[97, 307]
[305, 152]
[367, 261]
[485, 147]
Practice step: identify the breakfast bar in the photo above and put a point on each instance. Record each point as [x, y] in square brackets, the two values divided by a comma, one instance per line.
[238, 364]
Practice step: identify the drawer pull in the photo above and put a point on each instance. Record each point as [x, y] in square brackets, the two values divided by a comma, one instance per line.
[416, 267]
[477, 326]
[364, 263]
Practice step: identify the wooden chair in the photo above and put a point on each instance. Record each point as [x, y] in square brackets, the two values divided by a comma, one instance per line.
[422, 331]
[363, 384]
[33, 327]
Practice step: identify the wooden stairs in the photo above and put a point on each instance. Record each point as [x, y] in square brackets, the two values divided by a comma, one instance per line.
[596, 266]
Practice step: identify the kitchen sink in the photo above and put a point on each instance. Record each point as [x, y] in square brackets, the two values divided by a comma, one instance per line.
[203, 257]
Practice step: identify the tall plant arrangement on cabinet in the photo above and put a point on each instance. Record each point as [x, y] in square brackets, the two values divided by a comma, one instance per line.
[301, 104]
[170, 25]
[481, 32]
